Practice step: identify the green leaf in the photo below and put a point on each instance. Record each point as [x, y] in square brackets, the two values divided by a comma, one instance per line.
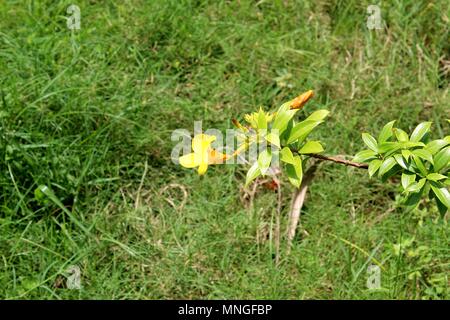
[407, 180]
[441, 159]
[262, 122]
[311, 147]
[370, 142]
[434, 146]
[386, 165]
[410, 144]
[436, 177]
[285, 106]
[301, 130]
[252, 173]
[400, 161]
[420, 131]
[386, 132]
[264, 160]
[420, 165]
[287, 156]
[39, 195]
[441, 207]
[401, 135]
[274, 139]
[413, 199]
[295, 172]
[374, 165]
[364, 156]
[424, 154]
[447, 138]
[43, 190]
[287, 131]
[388, 147]
[284, 115]
[442, 194]
[406, 154]
[416, 186]
[318, 115]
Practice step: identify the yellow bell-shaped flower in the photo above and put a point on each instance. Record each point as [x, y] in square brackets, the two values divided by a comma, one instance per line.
[203, 154]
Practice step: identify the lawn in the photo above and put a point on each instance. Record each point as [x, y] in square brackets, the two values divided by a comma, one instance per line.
[89, 114]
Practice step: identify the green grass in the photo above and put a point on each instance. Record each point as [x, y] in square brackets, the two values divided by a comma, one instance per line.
[83, 112]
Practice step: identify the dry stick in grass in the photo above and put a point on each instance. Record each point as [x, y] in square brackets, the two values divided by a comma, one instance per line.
[180, 207]
[278, 219]
[300, 194]
[278, 213]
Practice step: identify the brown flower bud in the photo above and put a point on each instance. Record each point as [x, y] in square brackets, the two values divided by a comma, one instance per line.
[302, 99]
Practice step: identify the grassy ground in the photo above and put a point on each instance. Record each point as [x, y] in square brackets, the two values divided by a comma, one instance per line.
[84, 112]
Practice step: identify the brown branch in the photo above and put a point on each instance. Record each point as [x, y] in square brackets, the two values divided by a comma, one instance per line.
[340, 161]
[300, 194]
[297, 204]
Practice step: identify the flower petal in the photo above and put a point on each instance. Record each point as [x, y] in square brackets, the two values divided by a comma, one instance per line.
[215, 157]
[201, 142]
[190, 160]
[202, 168]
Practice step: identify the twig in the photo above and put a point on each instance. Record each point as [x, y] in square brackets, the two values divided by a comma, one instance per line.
[297, 204]
[340, 161]
[250, 193]
[300, 194]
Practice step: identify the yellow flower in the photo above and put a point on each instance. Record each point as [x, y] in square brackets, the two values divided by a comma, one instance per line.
[203, 154]
[252, 118]
[301, 100]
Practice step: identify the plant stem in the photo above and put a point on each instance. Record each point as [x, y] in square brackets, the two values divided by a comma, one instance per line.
[297, 204]
[340, 161]
[300, 194]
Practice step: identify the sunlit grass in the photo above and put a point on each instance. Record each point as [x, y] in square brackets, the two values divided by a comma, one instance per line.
[90, 114]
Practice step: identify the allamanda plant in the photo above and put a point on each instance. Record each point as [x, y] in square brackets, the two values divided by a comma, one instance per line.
[287, 138]
[423, 164]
